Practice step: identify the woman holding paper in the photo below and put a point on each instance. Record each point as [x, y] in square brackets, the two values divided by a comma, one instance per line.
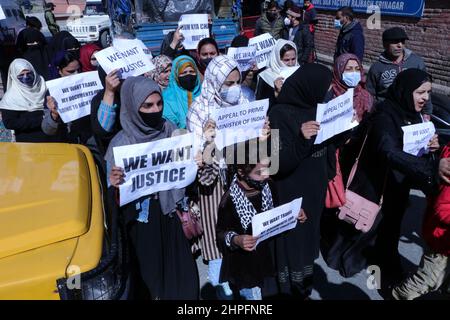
[385, 169]
[184, 87]
[270, 81]
[22, 106]
[303, 173]
[78, 131]
[220, 89]
[163, 253]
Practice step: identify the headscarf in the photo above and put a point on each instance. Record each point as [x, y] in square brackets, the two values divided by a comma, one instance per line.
[160, 62]
[362, 99]
[86, 53]
[201, 44]
[275, 65]
[177, 98]
[306, 88]
[57, 59]
[37, 55]
[134, 92]
[205, 105]
[204, 108]
[400, 93]
[20, 97]
[63, 40]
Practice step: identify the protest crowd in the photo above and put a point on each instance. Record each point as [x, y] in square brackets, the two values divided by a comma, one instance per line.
[322, 156]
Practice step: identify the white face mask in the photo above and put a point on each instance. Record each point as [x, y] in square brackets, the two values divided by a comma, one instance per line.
[287, 22]
[351, 79]
[231, 95]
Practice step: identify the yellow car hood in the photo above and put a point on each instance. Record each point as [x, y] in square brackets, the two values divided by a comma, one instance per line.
[45, 195]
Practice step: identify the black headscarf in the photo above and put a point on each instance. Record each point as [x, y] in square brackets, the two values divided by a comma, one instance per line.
[306, 88]
[63, 41]
[400, 93]
[37, 54]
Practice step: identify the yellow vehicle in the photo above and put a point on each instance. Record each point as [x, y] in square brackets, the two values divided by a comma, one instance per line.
[56, 242]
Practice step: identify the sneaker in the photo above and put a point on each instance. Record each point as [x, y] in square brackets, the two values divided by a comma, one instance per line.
[401, 292]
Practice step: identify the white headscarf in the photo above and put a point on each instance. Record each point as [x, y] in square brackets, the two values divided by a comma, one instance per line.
[20, 97]
[275, 64]
[204, 106]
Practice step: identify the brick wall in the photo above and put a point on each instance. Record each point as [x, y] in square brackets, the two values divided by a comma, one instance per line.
[429, 38]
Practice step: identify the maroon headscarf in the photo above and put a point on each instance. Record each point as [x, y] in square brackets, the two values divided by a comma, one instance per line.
[86, 52]
[362, 99]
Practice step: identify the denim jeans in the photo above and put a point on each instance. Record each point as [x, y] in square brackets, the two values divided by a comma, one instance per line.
[251, 293]
[223, 289]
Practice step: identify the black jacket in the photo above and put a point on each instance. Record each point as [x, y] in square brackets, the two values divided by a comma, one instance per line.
[26, 125]
[351, 40]
[304, 40]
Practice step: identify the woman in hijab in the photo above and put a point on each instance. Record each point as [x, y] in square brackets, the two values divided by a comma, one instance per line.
[166, 264]
[386, 170]
[64, 41]
[348, 72]
[220, 89]
[207, 50]
[87, 58]
[78, 131]
[161, 73]
[184, 87]
[270, 81]
[36, 51]
[22, 106]
[302, 173]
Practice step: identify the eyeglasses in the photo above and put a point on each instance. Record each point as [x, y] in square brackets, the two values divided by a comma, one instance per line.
[93, 59]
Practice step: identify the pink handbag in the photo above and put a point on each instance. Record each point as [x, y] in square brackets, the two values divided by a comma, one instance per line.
[357, 210]
[190, 221]
[335, 197]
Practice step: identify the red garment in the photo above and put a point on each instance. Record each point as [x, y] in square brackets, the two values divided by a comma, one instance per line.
[436, 225]
[311, 25]
[86, 52]
[362, 99]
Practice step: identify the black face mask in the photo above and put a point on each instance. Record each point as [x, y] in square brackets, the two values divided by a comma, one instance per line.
[271, 16]
[210, 29]
[206, 61]
[188, 82]
[153, 120]
[258, 185]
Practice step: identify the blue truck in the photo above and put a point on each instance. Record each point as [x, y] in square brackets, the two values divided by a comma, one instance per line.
[152, 20]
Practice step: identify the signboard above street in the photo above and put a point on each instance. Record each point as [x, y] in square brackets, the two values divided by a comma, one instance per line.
[405, 8]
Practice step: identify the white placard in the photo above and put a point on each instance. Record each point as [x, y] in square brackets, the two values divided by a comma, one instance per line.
[2, 14]
[194, 27]
[126, 55]
[286, 72]
[160, 165]
[270, 223]
[416, 138]
[244, 56]
[240, 123]
[264, 45]
[73, 94]
[335, 117]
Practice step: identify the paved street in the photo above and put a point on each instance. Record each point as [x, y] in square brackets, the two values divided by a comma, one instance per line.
[329, 285]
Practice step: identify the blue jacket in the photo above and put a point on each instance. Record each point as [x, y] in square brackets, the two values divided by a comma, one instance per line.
[351, 40]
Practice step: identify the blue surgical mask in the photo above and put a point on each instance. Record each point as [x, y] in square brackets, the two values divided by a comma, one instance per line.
[27, 79]
[351, 79]
[337, 23]
[231, 95]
